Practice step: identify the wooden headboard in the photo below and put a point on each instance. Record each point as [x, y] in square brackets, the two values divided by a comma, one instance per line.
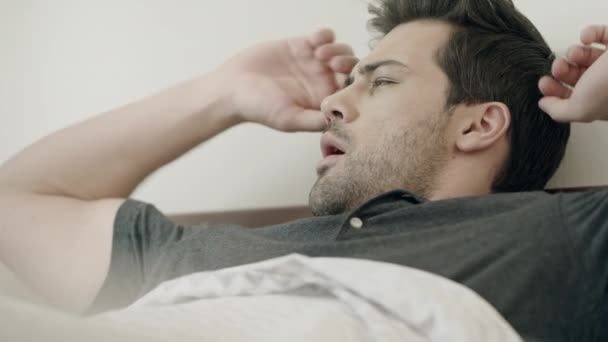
[248, 218]
[265, 217]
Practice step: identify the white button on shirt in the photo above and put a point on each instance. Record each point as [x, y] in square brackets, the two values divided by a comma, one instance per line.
[356, 223]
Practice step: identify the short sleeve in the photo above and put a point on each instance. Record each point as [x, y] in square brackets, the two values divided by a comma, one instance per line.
[141, 236]
[585, 215]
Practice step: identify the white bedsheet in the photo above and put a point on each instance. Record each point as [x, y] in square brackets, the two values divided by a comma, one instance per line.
[297, 298]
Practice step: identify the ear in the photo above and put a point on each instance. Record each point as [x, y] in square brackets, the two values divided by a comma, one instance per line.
[486, 124]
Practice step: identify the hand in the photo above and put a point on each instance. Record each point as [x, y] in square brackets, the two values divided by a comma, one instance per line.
[281, 84]
[578, 90]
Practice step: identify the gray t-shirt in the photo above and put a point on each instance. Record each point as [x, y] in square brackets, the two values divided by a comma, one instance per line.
[540, 259]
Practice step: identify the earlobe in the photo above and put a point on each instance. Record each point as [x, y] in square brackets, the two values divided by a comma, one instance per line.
[486, 125]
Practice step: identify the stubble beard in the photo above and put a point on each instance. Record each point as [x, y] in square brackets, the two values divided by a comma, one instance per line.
[408, 160]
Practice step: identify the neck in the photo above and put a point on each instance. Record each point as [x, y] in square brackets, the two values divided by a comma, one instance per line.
[464, 179]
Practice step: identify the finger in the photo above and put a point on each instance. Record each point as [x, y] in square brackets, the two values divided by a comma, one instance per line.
[583, 56]
[305, 121]
[595, 34]
[556, 108]
[328, 51]
[343, 64]
[566, 72]
[321, 37]
[550, 87]
[341, 81]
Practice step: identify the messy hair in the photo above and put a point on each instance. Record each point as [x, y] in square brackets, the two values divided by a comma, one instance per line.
[493, 54]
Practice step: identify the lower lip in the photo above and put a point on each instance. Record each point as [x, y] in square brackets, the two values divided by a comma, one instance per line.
[329, 160]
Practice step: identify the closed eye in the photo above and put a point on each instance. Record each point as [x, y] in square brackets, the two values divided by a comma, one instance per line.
[376, 83]
[381, 81]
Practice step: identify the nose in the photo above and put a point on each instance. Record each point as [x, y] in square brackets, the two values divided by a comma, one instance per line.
[337, 107]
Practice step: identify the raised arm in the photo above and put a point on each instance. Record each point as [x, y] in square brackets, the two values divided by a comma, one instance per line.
[59, 197]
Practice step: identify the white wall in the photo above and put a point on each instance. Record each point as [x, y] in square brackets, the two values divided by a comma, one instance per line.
[64, 60]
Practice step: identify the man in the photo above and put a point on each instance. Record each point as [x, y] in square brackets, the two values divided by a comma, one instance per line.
[427, 153]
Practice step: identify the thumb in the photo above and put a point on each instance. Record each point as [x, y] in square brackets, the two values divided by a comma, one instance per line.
[306, 121]
[557, 108]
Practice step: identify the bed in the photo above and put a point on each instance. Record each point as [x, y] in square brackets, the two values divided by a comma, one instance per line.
[26, 318]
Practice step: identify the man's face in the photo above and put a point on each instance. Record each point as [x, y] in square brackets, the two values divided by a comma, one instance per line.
[390, 123]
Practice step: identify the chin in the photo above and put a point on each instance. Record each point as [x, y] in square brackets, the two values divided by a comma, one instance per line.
[329, 195]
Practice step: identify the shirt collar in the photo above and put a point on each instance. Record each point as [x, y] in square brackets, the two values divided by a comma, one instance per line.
[390, 198]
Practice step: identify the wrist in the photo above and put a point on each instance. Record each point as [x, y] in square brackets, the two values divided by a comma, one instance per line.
[216, 98]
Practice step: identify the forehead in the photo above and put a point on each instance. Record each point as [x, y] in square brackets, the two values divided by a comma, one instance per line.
[415, 43]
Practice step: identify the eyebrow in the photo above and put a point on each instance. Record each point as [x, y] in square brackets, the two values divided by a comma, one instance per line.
[370, 68]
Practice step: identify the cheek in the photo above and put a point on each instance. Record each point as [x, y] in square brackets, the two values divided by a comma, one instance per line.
[396, 108]
[378, 140]
[418, 99]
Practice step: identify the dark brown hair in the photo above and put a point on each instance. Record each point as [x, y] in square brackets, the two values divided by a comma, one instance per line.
[494, 54]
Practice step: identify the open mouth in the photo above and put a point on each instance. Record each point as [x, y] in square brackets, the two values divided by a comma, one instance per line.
[332, 150]
[330, 146]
